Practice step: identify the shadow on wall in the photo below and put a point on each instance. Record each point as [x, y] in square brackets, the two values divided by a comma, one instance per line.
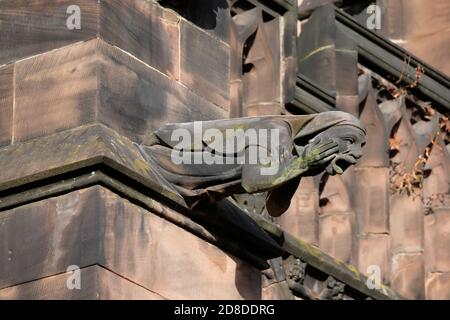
[247, 280]
[210, 15]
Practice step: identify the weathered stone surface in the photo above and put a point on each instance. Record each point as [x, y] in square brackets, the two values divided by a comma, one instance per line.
[437, 241]
[135, 100]
[437, 286]
[70, 150]
[407, 275]
[180, 256]
[274, 274]
[333, 195]
[308, 5]
[373, 250]
[301, 219]
[406, 19]
[403, 133]
[95, 226]
[336, 218]
[328, 265]
[438, 56]
[348, 104]
[376, 153]
[327, 55]
[6, 104]
[346, 66]
[213, 16]
[335, 235]
[437, 181]
[406, 224]
[31, 27]
[145, 30]
[371, 199]
[263, 57]
[274, 285]
[289, 78]
[419, 26]
[316, 48]
[68, 234]
[277, 291]
[140, 27]
[96, 283]
[95, 81]
[205, 64]
[55, 91]
[289, 56]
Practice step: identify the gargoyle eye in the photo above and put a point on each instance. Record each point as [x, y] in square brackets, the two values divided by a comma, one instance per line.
[349, 140]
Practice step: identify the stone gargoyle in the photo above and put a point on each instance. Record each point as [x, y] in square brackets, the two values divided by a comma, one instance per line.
[211, 160]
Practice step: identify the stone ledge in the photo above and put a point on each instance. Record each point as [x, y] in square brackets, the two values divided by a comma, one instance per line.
[311, 255]
[113, 161]
[94, 154]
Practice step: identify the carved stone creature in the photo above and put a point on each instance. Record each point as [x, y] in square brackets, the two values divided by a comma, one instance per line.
[211, 160]
[334, 290]
[296, 274]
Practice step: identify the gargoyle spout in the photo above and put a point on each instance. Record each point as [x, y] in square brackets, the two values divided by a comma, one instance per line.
[211, 160]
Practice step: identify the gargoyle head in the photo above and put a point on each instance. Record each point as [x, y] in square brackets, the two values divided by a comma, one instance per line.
[350, 140]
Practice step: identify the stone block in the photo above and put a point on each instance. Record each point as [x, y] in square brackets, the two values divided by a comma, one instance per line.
[145, 30]
[425, 48]
[30, 27]
[406, 223]
[407, 275]
[301, 219]
[335, 235]
[348, 104]
[94, 81]
[334, 196]
[346, 69]
[96, 283]
[308, 5]
[277, 291]
[437, 241]
[376, 150]
[55, 91]
[205, 64]
[94, 226]
[406, 19]
[171, 261]
[142, 28]
[213, 16]
[371, 199]
[437, 286]
[437, 181]
[373, 250]
[44, 238]
[135, 99]
[6, 104]
[289, 56]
